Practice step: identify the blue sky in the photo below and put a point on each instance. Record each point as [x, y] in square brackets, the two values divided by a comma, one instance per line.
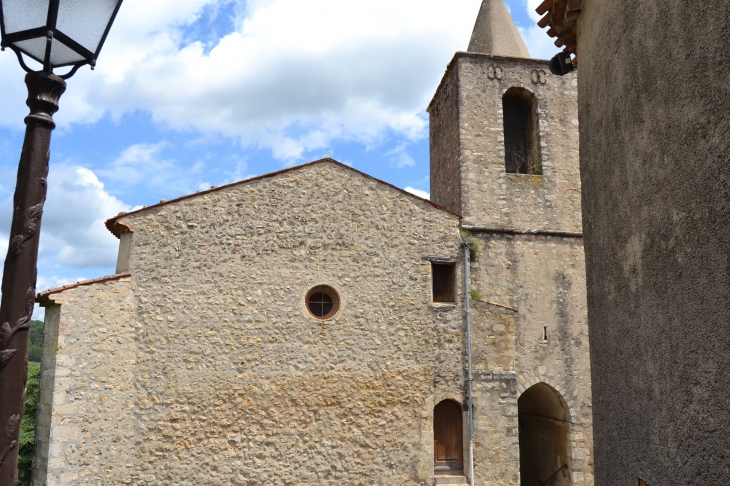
[194, 93]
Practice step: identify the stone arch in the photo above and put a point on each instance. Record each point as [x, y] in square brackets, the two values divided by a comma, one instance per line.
[544, 435]
[521, 131]
[456, 397]
[522, 89]
[525, 381]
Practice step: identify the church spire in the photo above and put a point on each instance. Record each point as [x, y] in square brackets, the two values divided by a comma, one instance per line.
[495, 32]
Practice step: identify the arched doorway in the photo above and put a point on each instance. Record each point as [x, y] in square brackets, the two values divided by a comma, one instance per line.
[448, 447]
[544, 420]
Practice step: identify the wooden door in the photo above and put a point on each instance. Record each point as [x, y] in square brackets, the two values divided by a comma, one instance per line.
[448, 438]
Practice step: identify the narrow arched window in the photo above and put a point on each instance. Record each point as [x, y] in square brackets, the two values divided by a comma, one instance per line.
[521, 144]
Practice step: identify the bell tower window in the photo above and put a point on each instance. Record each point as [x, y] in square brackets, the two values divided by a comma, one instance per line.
[521, 143]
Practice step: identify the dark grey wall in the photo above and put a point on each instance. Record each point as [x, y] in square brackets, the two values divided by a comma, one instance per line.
[654, 98]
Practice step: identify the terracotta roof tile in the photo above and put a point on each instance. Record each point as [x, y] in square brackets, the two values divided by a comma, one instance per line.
[562, 18]
[43, 298]
[118, 228]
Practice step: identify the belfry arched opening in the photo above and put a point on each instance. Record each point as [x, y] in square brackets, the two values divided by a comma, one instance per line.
[544, 421]
[521, 132]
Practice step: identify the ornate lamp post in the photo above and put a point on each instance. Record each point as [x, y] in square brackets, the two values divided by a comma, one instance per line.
[57, 34]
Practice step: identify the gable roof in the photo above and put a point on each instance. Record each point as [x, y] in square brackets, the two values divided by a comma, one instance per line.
[118, 228]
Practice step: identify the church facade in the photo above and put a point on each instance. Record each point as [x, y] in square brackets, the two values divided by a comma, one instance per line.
[309, 327]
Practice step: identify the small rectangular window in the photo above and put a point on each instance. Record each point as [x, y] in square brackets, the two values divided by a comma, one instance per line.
[443, 275]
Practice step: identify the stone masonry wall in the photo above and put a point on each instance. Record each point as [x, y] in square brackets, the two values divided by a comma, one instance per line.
[527, 284]
[86, 419]
[655, 154]
[490, 196]
[444, 138]
[45, 396]
[217, 374]
[238, 384]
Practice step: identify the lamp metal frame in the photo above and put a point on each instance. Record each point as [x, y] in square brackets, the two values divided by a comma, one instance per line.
[49, 31]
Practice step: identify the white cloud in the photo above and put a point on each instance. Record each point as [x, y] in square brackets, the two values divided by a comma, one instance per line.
[73, 235]
[531, 7]
[239, 172]
[291, 77]
[399, 157]
[51, 282]
[73, 232]
[418, 192]
[145, 165]
[139, 163]
[540, 45]
[73, 225]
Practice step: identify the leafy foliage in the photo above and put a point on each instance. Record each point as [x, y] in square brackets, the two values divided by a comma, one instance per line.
[36, 341]
[475, 294]
[27, 426]
[475, 246]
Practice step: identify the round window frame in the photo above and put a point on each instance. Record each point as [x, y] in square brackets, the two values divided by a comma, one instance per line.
[329, 291]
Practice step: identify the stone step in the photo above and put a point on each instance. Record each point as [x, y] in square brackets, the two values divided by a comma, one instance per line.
[453, 480]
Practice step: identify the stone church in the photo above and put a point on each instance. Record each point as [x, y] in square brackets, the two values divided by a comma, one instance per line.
[317, 326]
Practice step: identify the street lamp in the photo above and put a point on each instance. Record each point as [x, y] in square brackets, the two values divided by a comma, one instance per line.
[57, 34]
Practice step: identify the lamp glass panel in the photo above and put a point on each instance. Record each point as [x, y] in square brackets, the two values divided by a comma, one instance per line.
[85, 21]
[20, 15]
[62, 54]
[36, 48]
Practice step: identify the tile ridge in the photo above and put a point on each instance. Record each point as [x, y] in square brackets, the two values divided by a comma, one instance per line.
[43, 298]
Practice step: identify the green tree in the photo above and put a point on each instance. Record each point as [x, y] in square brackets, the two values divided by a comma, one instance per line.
[35, 346]
[27, 426]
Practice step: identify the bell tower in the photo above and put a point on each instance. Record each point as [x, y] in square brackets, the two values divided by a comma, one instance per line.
[504, 134]
[504, 155]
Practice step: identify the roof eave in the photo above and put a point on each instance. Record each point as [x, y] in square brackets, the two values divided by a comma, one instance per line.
[562, 16]
[45, 298]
